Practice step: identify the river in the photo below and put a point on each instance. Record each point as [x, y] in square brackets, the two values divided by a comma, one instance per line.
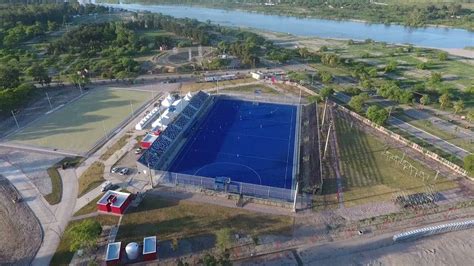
[435, 37]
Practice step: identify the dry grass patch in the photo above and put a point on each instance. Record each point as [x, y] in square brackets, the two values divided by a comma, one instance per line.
[91, 178]
[170, 219]
[210, 85]
[117, 146]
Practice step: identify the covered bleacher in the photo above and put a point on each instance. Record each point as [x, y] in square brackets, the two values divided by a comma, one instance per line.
[153, 155]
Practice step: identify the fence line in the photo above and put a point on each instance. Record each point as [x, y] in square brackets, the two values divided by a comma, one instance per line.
[172, 179]
[458, 169]
[433, 230]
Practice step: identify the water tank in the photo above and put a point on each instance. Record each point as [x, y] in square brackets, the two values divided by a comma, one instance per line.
[132, 251]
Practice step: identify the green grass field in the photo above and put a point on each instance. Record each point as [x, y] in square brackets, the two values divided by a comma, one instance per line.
[369, 176]
[77, 126]
[171, 219]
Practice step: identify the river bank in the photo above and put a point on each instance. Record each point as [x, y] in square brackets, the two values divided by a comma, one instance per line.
[424, 37]
[371, 14]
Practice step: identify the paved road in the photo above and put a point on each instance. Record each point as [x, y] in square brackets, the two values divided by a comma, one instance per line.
[441, 124]
[406, 127]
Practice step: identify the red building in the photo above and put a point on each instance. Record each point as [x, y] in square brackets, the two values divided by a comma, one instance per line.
[148, 141]
[114, 202]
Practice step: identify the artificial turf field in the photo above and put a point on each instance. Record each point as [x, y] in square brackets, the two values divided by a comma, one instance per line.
[369, 176]
[77, 126]
[245, 141]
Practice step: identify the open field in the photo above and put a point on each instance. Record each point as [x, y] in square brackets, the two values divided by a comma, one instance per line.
[170, 219]
[369, 176]
[79, 125]
[91, 178]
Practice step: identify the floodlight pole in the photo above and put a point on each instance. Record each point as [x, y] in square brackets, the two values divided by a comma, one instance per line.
[16, 121]
[49, 101]
[131, 107]
[324, 112]
[327, 140]
[296, 197]
[80, 87]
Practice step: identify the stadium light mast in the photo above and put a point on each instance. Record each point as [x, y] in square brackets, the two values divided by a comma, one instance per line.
[327, 139]
[324, 112]
[296, 197]
[16, 121]
[49, 101]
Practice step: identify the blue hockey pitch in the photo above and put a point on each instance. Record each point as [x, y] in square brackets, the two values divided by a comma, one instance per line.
[246, 141]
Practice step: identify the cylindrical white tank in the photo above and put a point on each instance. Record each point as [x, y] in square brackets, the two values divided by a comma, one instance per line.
[132, 251]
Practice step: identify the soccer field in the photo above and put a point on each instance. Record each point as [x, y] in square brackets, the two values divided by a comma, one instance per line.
[248, 142]
[77, 126]
[369, 176]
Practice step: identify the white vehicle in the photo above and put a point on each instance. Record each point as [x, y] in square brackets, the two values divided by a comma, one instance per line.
[106, 186]
[124, 171]
[115, 170]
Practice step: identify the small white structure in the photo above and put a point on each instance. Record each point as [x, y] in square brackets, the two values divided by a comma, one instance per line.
[168, 101]
[171, 113]
[142, 124]
[257, 75]
[132, 251]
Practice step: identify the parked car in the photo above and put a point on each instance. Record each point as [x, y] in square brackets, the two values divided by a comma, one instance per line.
[106, 186]
[138, 150]
[124, 171]
[115, 170]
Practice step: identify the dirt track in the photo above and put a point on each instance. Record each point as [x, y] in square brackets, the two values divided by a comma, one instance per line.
[19, 230]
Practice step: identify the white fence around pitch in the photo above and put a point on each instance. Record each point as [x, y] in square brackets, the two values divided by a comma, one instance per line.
[234, 187]
[433, 230]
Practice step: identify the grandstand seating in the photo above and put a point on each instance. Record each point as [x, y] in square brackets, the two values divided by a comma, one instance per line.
[162, 143]
[198, 99]
[181, 121]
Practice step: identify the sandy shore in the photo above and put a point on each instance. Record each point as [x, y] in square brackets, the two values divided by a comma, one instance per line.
[460, 52]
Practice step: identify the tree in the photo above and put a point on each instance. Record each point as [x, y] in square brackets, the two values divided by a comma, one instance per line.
[326, 92]
[377, 114]
[444, 100]
[469, 164]
[470, 115]
[210, 260]
[357, 102]
[326, 77]
[84, 235]
[39, 74]
[458, 106]
[425, 100]
[391, 66]
[442, 56]
[9, 77]
[436, 78]
[224, 239]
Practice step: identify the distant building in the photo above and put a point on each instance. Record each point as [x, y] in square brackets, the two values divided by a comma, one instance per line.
[257, 75]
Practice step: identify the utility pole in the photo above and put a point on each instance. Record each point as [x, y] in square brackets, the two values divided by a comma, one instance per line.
[49, 101]
[131, 107]
[324, 112]
[296, 197]
[16, 121]
[327, 139]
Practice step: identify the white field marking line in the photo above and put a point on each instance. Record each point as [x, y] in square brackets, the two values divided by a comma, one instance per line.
[288, 155]
[403, 122]
[254, 136]
[238, 155]
[19, 130]
[130, 89]
[239, 164]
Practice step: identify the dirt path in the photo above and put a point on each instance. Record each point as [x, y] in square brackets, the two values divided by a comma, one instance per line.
[19, 230]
